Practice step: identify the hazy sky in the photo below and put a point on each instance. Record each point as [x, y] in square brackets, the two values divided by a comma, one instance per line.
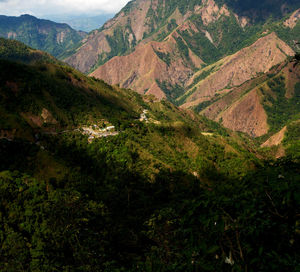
[42, 8]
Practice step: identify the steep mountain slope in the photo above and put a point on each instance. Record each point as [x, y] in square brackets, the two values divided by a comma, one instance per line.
[52, 100]
[40, 34]
[234, 70]
[183, 39]
[264, 105]
[145, 20]
[221, 28]
[172, 69]
[19, 52]
[148, 66]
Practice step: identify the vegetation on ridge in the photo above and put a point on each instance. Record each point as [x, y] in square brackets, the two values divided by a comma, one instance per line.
[40, 34]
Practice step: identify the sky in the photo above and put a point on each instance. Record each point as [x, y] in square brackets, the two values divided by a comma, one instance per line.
[44, 8]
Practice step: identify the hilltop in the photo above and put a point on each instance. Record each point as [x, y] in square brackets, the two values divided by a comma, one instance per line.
[16, 51]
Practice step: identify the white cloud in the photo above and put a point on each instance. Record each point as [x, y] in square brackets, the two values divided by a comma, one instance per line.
[46, 7]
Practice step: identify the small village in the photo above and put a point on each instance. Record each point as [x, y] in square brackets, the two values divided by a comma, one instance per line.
[144, 117]
[95, 132]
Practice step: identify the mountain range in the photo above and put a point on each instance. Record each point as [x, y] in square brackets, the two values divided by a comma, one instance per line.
[194, 53]
[167, 140]
[41, 34]
[209, 29]
[88, 168]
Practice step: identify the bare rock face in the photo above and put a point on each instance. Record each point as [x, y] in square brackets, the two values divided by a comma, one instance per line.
[293, 19]
[243, 108]
[135, 25]
[142, 69]
[97, 43]
[246, 115]
[234, 70]
[211, 12]
[276, 139]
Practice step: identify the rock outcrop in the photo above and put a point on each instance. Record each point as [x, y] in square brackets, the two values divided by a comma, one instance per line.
[276, 139]
[149, 65]
[293, 19]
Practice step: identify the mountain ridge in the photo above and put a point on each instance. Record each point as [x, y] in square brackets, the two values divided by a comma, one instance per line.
[184, 65]
[258, 101]
[124, 25]
[45, 35]
[155, 21]
[193, 39]
[241, 67]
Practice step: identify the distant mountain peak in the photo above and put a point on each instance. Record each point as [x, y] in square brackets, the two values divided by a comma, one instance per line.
[41, 34]
[27, 16]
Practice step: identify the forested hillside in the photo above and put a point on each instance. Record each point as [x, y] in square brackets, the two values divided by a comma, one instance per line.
[98, 178]
[40, 34]
[16, 51]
